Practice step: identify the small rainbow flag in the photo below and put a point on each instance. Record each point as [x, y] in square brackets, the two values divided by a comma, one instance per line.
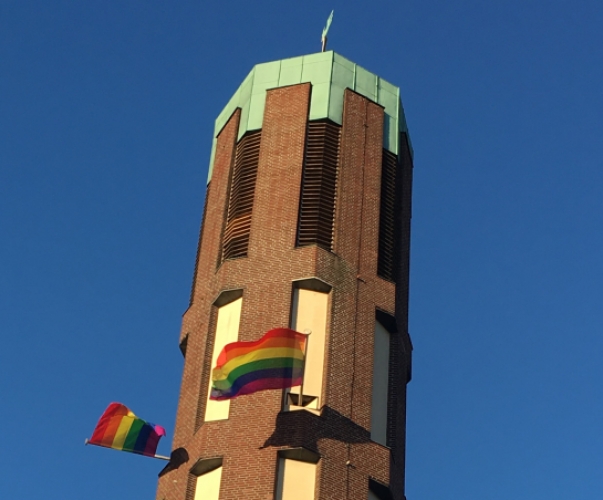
[276, 361]
[120, 429]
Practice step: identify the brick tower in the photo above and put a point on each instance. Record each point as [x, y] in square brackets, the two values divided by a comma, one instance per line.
[306, 225]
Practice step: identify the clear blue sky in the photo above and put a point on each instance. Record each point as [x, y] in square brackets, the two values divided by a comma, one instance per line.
[106, 117]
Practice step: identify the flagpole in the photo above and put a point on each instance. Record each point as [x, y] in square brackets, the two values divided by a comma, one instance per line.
[160, 457]
[300, 401]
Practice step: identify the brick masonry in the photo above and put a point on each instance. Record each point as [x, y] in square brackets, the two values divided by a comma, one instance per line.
[256, 429]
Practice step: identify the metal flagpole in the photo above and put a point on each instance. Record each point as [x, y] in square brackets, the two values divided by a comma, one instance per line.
[160, 457]
[300, 401]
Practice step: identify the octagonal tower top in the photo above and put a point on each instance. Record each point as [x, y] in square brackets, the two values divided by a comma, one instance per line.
[330, 74]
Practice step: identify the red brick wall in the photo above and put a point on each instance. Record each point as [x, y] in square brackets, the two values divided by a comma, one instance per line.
[249, 440]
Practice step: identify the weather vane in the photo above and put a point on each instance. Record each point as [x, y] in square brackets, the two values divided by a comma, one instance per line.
[326, 30]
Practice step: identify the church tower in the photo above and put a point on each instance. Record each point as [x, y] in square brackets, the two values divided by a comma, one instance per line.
[307, 226]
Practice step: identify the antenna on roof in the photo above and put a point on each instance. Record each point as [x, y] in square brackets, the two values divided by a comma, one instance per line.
[326, 30]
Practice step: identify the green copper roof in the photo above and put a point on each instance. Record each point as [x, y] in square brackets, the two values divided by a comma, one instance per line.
[330, 74]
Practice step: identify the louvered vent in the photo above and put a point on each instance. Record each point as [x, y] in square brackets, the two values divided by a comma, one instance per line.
[317, 204]
[386, 266]
[242, 188]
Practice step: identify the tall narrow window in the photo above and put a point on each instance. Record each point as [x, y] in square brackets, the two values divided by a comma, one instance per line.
[387, 260]
[235, 242]
[204, 480]
[296, 477]
[379, 399]
[227, 331]
[317, 204]
[309, 313]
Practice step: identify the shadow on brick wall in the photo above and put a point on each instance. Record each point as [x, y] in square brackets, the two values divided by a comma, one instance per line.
[305, 429]
[178, 457]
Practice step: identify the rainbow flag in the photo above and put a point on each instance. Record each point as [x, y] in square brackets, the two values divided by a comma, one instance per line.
[276, 361]
[120, 429]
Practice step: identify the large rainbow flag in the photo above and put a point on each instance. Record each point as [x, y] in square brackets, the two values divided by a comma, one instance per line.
[120, 429]
[276, 361]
